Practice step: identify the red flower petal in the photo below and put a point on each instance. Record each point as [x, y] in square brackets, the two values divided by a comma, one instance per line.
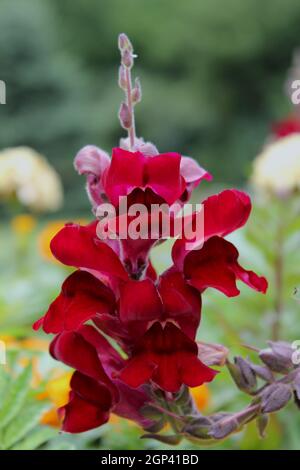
[193, 174]
[223, 213]
[215, 265]
[164, 355]
[91, 390]
[130, 170]
[139, 304]
[182, 303]
[92, 162]
[73, 349]
[78, 246]
[81, 415]
[82, 297]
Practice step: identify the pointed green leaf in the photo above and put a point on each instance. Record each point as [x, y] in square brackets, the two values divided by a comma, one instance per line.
[15, 397]
[26, 420]
[36, 438]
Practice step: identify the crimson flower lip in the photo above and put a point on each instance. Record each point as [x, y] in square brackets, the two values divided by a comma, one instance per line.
[167, 357]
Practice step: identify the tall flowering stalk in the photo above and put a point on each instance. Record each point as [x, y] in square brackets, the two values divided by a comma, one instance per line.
[128, 332]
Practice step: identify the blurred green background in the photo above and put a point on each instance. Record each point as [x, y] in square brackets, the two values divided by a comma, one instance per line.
[213, 75]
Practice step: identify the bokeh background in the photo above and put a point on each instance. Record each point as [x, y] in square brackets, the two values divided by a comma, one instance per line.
[213, 79]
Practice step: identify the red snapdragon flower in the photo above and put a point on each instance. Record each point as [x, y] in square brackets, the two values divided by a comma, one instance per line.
[153, 318]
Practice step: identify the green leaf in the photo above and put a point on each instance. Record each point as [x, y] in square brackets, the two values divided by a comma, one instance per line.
[4, 381]
[15, 397]
[36, 438]
[26, 420]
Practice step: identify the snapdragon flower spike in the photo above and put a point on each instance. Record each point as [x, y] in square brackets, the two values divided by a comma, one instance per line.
[152, 317]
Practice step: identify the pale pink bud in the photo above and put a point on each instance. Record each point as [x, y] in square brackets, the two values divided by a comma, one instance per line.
[122, 77]
[136, 94]
[124, 42]
[146, 148]
[127, 58]
[91, 159]
[92, 162]
[125, 116]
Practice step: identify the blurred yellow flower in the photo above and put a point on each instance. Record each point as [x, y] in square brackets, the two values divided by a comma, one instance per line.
[23, 224]
[201, 396]
[277, 168]
[27, 175]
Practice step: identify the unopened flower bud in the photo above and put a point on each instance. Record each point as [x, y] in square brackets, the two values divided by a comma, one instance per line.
[247, 373]
[212, 354]
[157, 425]
[150, 412]
[262, 422]
[124, 42]
[184, 400]
[91, 159]
[92, 162]
[122, 78]
[125, 116]
[136, 94]
[224, 427]
[242, 374]
[127, 58]
[146, 148]
[275, 397]
[282, 350]
[276, 362]
[199, 427]
[262, 372]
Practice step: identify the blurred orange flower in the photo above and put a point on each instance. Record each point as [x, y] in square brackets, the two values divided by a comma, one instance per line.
[201, 396]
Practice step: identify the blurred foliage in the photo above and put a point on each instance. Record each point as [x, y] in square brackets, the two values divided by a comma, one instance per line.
[21, 412]
[212, 77]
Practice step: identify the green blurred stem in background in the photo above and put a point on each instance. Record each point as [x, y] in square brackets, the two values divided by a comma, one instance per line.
[278, 275]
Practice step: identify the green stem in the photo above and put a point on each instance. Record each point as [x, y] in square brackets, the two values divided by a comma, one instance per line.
[278, 274]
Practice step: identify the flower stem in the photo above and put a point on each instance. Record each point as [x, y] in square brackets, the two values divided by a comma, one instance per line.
[278, 274]
[131, 130]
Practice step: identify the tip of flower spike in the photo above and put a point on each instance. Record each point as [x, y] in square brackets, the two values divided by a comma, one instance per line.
[124, 42]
